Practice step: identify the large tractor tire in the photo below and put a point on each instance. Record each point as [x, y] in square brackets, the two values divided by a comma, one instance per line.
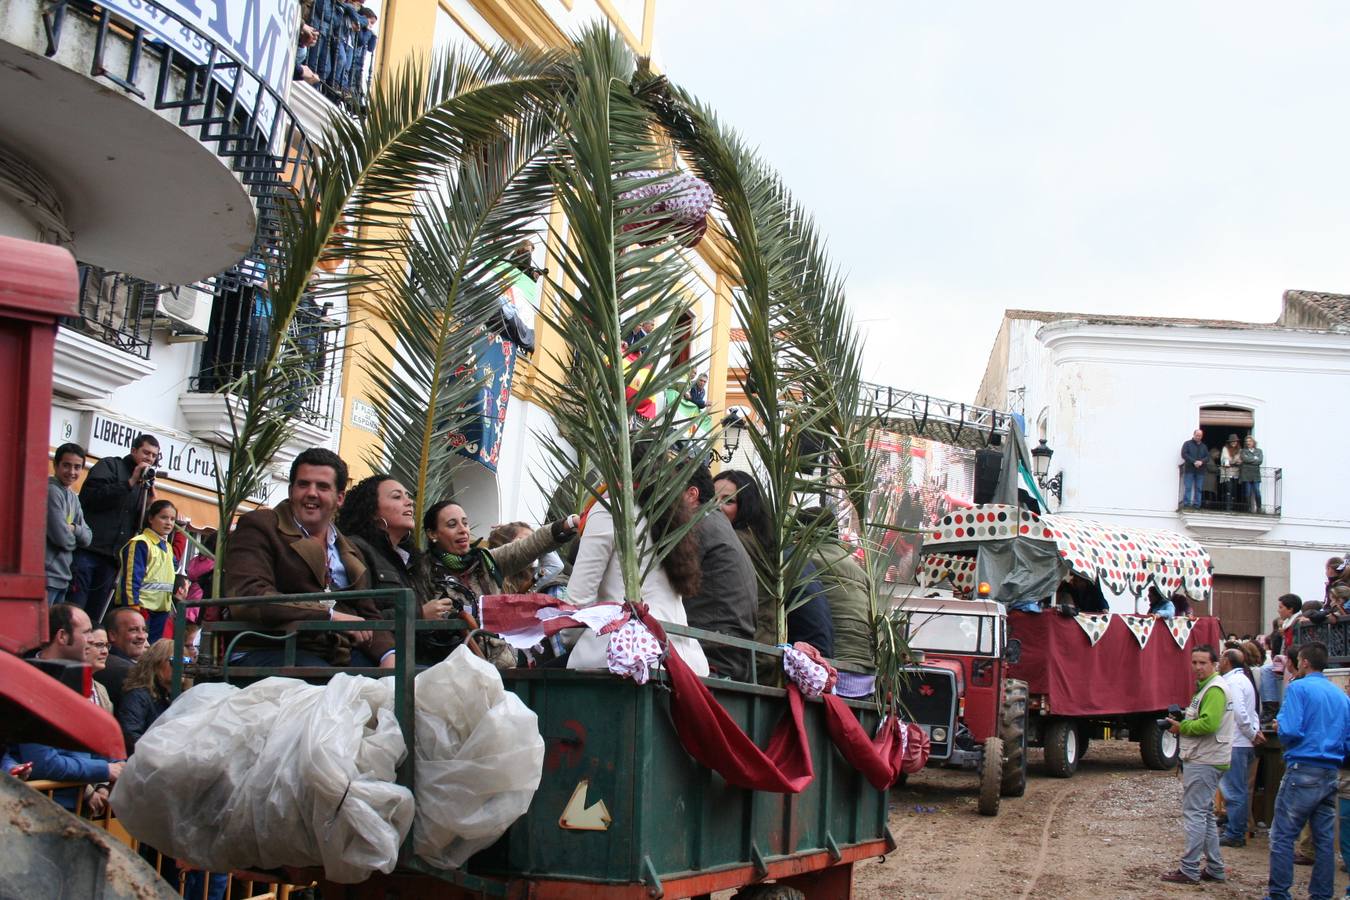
[769, 892]
[1084, 740]
[1061, 748]
[1158, 747]
[991, 776]
[1012, 728]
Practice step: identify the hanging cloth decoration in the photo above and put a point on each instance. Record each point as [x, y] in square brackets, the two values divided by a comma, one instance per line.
[1093, 625]
[633, 652]
[682, 199]
[1181, 626]
[807, 669]
[709, 734]
[1140, 626]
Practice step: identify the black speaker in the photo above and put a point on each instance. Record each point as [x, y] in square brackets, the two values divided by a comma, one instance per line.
[988, 466]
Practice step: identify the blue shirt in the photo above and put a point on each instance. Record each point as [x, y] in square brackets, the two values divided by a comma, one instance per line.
[1314, 722]
[337, 572]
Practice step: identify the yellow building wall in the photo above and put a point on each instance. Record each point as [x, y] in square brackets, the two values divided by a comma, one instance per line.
[408, 29]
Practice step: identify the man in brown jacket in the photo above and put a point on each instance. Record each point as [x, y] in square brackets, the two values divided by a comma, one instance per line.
[295, 548]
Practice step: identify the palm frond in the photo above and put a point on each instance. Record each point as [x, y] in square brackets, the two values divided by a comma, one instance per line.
[437, 306]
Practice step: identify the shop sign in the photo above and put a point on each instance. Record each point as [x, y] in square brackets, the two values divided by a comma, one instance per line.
[260, 32]
[182, 460]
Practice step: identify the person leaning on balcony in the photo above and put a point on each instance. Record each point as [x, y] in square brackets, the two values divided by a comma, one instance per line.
[295, 548]
[1194, 456]
[114, 496]
[147, 580]
[1249, 474]
[455, 571]
[66, 528]
[1230, 463]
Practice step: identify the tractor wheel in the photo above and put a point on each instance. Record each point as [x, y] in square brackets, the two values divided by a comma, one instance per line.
[769, 892]
[1159, 748]
[1061, 748]
[1013, 730]
[1084, 740]
[991, 776]
[901, 779]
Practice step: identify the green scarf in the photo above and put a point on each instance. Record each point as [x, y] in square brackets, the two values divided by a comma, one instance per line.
[463, 565]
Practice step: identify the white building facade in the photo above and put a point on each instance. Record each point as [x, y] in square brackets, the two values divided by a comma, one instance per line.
[1115, 397]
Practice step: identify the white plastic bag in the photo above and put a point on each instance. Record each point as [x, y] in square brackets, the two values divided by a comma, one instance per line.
[278, 773]
[479, 759]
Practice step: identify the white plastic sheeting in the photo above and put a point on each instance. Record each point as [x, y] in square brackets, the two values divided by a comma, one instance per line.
[278, 773]
[287, 773]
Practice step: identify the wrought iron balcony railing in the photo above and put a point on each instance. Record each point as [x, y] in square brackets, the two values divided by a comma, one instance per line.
[116, 309]
[235, 111]
[1224, 492]
[239, 338]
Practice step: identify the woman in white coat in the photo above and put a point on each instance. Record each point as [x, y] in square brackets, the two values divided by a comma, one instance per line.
[597, 575]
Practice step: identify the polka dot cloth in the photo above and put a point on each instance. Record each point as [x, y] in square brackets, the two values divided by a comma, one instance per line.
[1123, 562]
[633, 652]
[938, 567]
[688, 199]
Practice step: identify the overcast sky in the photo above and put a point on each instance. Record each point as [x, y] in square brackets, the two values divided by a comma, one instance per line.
[1182, 159]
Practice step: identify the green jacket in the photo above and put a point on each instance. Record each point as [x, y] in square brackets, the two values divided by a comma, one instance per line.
[845, 584]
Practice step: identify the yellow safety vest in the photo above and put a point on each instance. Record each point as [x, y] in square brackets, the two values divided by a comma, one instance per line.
[156, 593]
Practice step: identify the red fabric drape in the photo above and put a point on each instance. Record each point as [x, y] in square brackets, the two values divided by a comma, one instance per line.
[1114, 676]
[880, 759]
[711, 736]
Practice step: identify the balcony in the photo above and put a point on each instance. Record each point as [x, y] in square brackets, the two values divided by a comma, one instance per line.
[1230, 509]
[107, 345]
[237, 343]
[169, 152]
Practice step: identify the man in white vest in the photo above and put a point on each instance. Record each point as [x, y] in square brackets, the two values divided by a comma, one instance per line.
[1206, 734]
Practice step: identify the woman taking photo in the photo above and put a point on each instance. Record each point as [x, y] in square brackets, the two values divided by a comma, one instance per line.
[455, 571]
[148, 571]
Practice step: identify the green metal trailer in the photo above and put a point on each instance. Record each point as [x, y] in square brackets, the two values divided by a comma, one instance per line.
[622, 811]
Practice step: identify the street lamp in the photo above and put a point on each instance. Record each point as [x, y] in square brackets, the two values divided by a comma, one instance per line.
[733, 425]
[1040, 461]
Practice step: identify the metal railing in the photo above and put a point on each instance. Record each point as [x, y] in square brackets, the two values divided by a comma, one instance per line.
[1222, 494]
[946, 421]
[261, 139]
[116, 309]
[238, 339]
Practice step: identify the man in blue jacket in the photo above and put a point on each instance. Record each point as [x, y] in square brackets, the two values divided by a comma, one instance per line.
[69, 628]
[1194, 455]
[1313, 725]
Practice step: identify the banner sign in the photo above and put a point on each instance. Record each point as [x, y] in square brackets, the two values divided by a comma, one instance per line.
[262, 33]
[182, 460]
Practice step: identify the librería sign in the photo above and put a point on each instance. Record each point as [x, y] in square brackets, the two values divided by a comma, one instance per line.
[182, 460]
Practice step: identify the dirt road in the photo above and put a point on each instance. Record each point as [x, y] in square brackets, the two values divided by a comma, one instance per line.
[1109, 831]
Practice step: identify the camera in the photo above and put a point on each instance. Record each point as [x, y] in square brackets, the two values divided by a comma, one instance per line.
[1173, 712]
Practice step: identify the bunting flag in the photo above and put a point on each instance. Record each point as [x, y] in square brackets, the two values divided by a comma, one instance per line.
[1140, 626]
[1181, 626]
[1094, 626]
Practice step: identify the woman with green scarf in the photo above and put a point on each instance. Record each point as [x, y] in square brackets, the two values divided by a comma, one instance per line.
[461, 570]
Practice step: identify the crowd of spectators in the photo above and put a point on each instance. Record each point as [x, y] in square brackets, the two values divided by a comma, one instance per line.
[336, 48]
[328, 540]
[1256, 690]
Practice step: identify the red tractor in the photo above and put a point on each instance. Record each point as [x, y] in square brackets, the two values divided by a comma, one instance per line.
[1033, 668]
[960, 692]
